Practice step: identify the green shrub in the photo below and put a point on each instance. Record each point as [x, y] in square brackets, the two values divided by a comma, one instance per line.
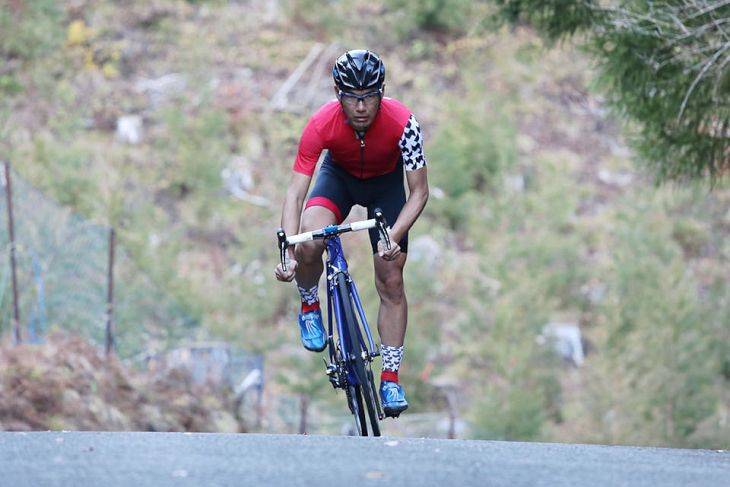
[509, 413]
[194, 148]
[660, 353]
[468, 156]
[331, 18]
[31, 29]
[691, 235]
[9, 86]
[430, 15]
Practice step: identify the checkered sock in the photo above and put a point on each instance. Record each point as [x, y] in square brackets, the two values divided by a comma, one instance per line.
[310, 298]
[392, 357]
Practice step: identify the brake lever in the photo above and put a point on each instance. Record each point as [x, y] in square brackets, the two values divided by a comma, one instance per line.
[283, 247]
[382, 229]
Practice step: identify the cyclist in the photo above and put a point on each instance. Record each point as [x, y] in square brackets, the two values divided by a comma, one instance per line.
[369, 140]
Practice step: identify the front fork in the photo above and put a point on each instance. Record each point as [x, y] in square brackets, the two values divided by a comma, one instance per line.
[336, 370]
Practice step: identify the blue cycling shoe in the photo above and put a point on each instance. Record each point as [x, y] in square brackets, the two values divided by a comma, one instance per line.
[313, 336]
[393, 399]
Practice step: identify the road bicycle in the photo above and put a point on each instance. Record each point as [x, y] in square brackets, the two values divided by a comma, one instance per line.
[350, 343]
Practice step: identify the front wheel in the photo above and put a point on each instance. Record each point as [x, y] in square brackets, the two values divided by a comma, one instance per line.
[366, 385]
[354, 401]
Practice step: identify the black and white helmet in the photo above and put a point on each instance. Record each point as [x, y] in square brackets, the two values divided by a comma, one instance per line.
[359, 70]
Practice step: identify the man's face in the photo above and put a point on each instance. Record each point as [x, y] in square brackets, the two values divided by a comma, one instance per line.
[360, 112]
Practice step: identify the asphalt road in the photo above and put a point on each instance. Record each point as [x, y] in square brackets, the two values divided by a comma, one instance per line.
[183, 459]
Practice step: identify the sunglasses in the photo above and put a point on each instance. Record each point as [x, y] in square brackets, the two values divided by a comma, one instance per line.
[368, 99]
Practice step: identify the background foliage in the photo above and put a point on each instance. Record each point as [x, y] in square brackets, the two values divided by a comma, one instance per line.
[537, 213]
[664, 65]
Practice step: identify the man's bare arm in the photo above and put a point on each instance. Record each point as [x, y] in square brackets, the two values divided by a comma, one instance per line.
[417, 198]
[291, 215]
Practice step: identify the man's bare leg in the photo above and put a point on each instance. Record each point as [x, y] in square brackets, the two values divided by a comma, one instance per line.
[393, 312]
[392, 320]
[309, 270]
[309, 254]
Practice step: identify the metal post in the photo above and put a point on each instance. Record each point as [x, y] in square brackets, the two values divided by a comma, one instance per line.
[110, 298]
[303, 409]
[11, 228]
[451, 401]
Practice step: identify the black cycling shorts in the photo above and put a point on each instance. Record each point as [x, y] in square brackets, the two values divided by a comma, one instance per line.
[338, 190]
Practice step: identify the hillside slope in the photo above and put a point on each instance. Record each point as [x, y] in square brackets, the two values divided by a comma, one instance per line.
[537, 213]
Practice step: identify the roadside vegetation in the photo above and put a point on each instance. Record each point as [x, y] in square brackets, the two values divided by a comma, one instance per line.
[538, 214]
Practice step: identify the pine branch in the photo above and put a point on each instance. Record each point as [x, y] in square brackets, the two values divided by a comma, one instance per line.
[699, 77]
[709, 8]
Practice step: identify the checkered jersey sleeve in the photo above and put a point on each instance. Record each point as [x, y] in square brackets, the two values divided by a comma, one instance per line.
[411, 145]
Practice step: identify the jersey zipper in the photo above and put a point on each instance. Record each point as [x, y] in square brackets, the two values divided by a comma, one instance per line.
[361, 137]
[362, 157]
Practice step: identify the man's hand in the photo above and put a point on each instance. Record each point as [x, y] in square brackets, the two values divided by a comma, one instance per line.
[391, 254]
[291, 271]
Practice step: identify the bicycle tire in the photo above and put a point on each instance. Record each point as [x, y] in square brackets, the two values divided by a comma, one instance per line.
[357, 408]
[370, 399]
[366, 385]
[371, 383]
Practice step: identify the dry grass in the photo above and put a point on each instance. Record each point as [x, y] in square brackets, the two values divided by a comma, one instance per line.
[67, 384]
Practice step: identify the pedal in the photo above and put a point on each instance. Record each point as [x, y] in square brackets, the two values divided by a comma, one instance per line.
[394, 414]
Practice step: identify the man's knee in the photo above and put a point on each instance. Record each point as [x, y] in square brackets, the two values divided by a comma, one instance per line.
[308, 253]
[313, 218]
[316, 217]
[390, 287]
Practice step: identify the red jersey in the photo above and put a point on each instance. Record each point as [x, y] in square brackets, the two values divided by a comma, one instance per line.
[394, 133]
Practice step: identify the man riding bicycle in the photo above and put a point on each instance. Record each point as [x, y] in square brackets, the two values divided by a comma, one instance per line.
[369, 140]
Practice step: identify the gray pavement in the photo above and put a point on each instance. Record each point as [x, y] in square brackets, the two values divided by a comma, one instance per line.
[182, 459]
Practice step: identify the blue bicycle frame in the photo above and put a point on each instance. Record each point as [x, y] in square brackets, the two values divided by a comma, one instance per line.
[336, 264]
[350, 359]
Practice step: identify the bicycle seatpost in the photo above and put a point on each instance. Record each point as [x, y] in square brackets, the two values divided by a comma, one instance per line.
[382, 229]
[283, 246]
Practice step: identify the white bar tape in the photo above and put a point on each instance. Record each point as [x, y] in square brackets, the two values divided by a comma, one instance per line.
[363, 225]
[355, 226]
[302, 237]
